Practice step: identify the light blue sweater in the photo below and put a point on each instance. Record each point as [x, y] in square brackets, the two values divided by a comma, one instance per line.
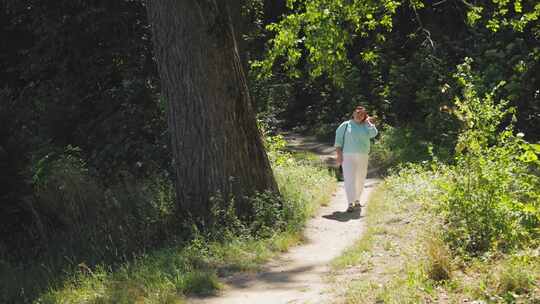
[357, 136]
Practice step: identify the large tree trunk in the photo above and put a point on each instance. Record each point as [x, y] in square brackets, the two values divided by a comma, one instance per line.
[216, 144]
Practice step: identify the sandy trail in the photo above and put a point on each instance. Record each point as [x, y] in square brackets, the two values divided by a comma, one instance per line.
[298, 275]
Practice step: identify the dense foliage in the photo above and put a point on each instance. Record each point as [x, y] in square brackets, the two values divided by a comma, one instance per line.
[78, 101]
[496, 205]
[398, 58]
[167, 272]
[83, 139]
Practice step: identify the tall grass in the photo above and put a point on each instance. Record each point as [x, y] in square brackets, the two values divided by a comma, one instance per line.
[166, 273]
[491, 199]
[386, 265]
[421, 266]
[83, 223]
[394, 146]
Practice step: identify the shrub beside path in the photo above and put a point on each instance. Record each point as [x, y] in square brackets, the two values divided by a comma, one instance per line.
[298, 275]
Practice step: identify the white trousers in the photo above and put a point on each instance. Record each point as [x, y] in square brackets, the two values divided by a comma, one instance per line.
[354, 173]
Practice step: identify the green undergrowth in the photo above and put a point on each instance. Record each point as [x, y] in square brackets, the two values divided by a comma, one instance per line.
[398, 145]
[458, 231]
[169, 274]
[404, 256]
[378, 268]
[395, 146]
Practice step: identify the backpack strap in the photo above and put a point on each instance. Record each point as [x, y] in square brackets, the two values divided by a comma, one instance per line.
[345, 132]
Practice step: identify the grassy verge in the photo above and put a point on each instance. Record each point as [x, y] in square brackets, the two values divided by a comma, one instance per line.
[167, 275]
[402, 257]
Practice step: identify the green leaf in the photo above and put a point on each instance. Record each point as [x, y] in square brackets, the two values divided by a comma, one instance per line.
[528, 156]
[530, 208]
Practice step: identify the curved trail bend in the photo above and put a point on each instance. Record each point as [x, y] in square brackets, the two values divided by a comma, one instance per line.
[298, 275]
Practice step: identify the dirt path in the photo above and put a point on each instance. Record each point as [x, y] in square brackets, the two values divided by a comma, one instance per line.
[326, 151]
[298, 275]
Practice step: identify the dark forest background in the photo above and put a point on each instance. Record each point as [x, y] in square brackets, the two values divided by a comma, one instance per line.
[83, 133]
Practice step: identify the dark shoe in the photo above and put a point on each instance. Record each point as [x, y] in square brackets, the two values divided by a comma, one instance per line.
[351, 208]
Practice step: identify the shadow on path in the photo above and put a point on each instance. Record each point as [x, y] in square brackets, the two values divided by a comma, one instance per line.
[317, 148]
[281, 279]
[274, 279]
[344, 216]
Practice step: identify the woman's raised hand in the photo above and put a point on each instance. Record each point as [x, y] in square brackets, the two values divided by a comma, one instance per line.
[371, 119]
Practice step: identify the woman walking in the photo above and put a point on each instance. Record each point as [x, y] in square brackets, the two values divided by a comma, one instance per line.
[352, 148]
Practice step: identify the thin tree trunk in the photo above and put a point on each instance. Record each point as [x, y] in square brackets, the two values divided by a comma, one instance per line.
[216, 144]
[30, 202]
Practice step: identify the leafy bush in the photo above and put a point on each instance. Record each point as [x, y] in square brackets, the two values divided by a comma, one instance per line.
[78, 219]
[84, 214]
[276, 149]
[66, 195]
[395, 146]
[228, 244]
[492, 201]
[270, 214]
[304, 185]
[267, 218]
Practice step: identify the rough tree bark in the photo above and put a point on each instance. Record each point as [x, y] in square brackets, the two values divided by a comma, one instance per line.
[216, 144]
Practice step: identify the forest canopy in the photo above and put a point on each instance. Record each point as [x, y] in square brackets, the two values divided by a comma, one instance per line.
[84, 134]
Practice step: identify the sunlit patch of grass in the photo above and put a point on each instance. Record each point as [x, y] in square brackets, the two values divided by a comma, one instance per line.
[403, 289]
[411, 263]
[391, 245]
[283, 241]
[308, 186]
[168, 275]
[387, 245]
[360, 292]
[514, 276]
[511, 278]
[360, 251]
[438, 265]
[355, 255]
